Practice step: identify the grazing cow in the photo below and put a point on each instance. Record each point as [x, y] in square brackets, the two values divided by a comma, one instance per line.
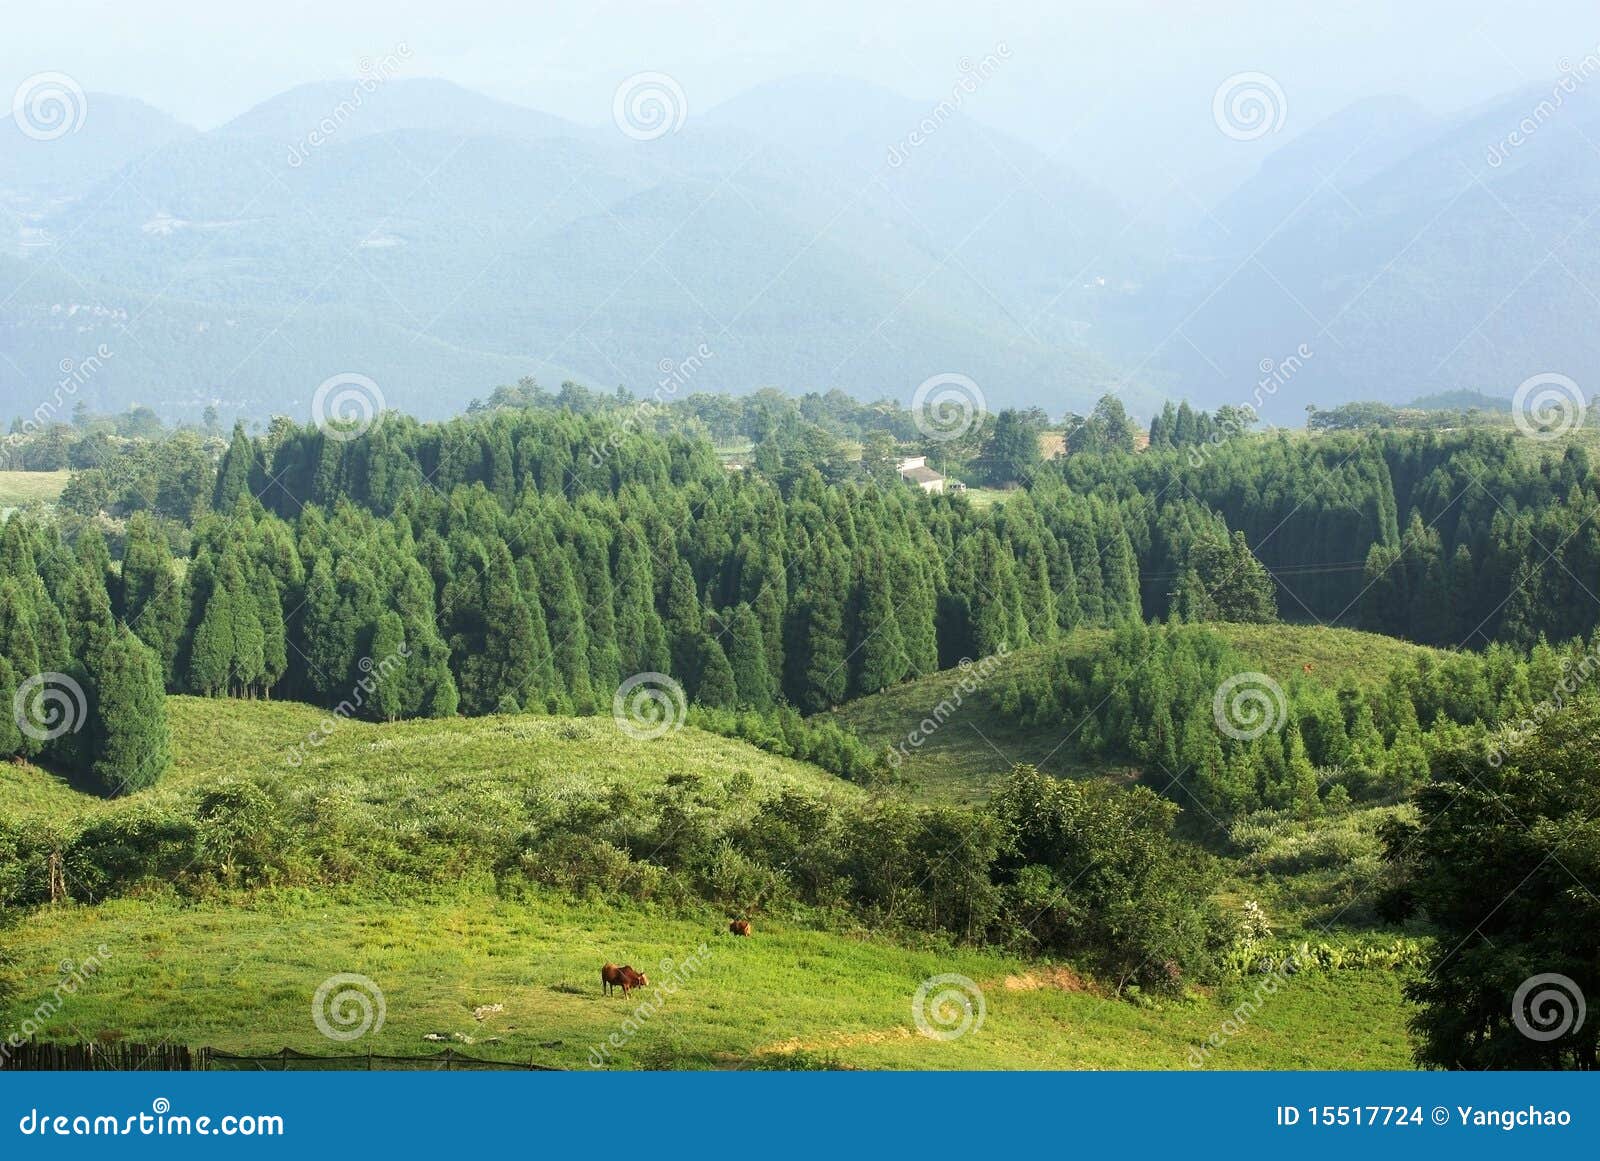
[1308, 667]
[624, 977]
[740, 927]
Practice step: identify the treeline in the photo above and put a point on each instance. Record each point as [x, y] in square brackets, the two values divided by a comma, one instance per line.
[1458, 538]
[1211, 732]
[527, 561]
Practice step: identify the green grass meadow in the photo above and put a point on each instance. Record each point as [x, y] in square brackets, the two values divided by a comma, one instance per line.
[240, 975]
[237, 969]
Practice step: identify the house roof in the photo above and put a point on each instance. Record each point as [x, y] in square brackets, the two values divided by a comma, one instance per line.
[920, 475]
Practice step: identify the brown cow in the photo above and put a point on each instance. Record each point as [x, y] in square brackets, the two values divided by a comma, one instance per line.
[740, 927]
[624, 977]
[1308, 667]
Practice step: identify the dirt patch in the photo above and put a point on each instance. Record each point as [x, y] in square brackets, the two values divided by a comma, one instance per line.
[1062, 979]
[835, 1041]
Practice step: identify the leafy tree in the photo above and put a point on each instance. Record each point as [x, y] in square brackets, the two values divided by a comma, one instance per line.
[1496, 870]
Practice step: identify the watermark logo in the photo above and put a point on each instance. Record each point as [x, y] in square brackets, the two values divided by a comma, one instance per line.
[648, 706]
[373, 74]
[71, 976]
[373, 675]
[1249, 106]
[675, 374]
[947, 1007]
[347, 406]
[971, 74]
[347, 1006]
[1548, 1006]
[49, 705]
[969, 682]
[946, 407]
[1248, 705]
[1548, 406]
[47, 106]
[648, 106]
[674, 976]
[1239, 1019]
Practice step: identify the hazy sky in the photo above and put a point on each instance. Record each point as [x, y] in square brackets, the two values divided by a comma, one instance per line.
[1122, 89]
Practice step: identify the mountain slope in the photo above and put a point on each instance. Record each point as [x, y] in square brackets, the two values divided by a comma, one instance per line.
[528, 249]
[1464, 264]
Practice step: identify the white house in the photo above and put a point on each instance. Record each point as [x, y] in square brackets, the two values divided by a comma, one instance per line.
[915, 470]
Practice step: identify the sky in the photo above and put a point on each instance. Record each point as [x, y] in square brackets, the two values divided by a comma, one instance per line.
[1121, 90]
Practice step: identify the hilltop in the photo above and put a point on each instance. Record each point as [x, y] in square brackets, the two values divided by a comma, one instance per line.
[960, 761]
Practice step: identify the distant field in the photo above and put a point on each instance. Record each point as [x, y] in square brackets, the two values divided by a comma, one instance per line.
[981, 498]
[974, 746]
[20, 488]
[240, 974]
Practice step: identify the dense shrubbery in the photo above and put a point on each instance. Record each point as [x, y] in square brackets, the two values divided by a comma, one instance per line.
[1070, 869]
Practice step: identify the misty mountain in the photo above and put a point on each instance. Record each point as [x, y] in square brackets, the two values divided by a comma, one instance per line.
[812, 233]
[1440, 258]
[507, 243]
[115, 132]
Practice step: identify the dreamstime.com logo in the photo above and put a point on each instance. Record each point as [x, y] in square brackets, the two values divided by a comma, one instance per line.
[947, 406]
[160, 1121]
[1548, 406]
[1248, 705]
[347, 406]
[49, 105]
[971, 678]
[347, 1006]
[648, 106]
[947, 1007]
[72, 977]
[648, 706]
[1249, 106]
[1548, 1006]
[49, 705]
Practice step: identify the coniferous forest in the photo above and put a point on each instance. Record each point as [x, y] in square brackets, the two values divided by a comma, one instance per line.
[535, 558]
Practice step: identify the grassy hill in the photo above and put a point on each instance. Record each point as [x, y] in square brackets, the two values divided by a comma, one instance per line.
[417, 773]
[211, 963]
[960, 760]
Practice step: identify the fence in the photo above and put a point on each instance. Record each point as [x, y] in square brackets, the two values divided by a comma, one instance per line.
[42, 1057]
[33, 1056]
[288, 1060]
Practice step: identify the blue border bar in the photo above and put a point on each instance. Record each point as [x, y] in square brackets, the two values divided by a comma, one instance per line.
[648, 1116]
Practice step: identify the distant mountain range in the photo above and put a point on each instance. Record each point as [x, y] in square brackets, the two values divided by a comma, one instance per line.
[814, 233]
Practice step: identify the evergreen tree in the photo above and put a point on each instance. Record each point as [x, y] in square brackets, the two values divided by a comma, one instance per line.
[239, 472]
[747, 657]
[716, 686]
[150, 596]
[127, 727]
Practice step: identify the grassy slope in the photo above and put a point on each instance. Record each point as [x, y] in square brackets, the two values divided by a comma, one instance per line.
[238, 972]
[408, 771]
[241, 975]
[960, 760]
